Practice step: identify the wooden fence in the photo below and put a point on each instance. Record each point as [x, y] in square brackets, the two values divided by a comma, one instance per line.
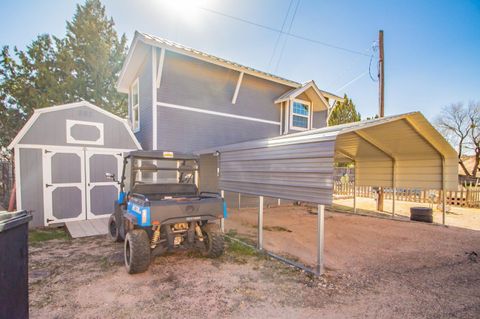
[464, 197]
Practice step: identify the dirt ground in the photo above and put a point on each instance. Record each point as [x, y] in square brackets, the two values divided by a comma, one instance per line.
[457, 216]
[376, 269]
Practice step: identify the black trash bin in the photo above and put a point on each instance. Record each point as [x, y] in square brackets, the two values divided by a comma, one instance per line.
[14, 264]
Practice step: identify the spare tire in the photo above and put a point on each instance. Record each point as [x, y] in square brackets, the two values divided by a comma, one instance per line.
[421, 214]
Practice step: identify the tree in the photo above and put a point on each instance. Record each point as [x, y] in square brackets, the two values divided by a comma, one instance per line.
[344, 112]
[461, 127]
[82, 66]
[30, 79]
[95, 55]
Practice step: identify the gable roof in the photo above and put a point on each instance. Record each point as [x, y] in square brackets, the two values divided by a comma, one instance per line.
[311, 84]
[38, 112]
[141, 38]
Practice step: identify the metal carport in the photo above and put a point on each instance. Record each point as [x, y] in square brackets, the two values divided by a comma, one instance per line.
[401, 151]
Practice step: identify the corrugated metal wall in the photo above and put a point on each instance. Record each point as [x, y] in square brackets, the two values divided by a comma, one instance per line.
[297, 171]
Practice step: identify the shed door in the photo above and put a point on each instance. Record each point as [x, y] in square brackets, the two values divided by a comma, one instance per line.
[64, 184]
[101, 192]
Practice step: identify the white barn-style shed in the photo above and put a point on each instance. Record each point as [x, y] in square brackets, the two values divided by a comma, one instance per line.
[61, 156]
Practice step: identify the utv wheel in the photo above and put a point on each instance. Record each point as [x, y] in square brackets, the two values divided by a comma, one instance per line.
[137, 251]
[113, 230]
[213, 239]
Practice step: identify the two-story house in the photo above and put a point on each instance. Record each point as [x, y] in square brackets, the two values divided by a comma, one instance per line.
[184, 100]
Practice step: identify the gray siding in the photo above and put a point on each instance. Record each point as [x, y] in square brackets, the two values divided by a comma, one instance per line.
[186, 131]
[31, 187]
[50, 129]
[319, 119]
[144, 136]
[208, 180]
[301, 172]
[193, 83]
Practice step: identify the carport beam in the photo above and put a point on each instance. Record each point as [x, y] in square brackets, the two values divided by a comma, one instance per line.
[260, 223]
[320, 239]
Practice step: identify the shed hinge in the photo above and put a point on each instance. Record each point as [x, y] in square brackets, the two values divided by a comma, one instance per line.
[49, 220]
[48, 185]
[47, 151]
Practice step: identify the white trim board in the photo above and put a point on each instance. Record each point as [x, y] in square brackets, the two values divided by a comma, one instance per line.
[160, 67]
[18, 183]
[154, 94]
[237, 88]
[38, 112]
[193, 109]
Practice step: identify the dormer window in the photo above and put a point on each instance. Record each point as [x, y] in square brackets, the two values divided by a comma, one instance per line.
[135, 106]
[300, 115]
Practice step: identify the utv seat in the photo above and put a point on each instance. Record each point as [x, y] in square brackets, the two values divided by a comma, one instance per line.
[159, 191]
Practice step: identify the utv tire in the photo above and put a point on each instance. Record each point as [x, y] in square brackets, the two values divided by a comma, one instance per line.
[213, 239]
[113, 230]
[137, 251]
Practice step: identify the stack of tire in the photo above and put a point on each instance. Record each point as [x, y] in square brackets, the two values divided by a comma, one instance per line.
[421, 214]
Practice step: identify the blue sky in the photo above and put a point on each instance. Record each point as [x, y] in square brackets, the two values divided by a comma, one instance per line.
[432, 47]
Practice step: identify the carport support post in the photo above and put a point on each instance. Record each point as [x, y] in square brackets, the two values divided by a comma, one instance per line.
[394, 184]
[444, 195]
[222, 220]
[320, 238]
[260, 223]
[354, 187]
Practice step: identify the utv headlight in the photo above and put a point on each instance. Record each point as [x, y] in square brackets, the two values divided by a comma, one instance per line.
[144, 216]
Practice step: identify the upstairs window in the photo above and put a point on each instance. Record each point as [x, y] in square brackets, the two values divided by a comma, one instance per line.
[300, 119]
[135, 106]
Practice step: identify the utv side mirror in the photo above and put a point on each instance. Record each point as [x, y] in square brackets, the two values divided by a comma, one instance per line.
[110, 176]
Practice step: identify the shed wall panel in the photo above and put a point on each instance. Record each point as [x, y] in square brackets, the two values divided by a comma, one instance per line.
[31, 188]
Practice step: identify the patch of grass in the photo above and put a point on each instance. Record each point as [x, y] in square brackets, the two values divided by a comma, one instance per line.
[277, 228]
[41, 235]
[237, 248]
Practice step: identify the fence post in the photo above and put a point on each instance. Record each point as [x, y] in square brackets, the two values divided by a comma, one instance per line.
[260, 224]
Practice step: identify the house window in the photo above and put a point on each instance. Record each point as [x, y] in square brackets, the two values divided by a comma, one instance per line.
[300, 119]
[134, 100]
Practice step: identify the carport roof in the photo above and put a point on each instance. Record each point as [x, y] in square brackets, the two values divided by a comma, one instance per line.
[415, 120]
[407, 141]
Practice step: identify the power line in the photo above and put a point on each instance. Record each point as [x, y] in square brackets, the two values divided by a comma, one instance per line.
[279, 35]
[286, 33]
[286, 39]
[355, 79]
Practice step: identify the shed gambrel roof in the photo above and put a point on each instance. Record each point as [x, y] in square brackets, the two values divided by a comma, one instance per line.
[38, 112]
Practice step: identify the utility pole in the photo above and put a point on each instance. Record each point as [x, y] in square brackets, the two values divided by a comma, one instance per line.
[381, 105]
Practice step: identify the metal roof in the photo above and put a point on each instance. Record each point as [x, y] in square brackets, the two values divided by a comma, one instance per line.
[396, 151]
[180, 48]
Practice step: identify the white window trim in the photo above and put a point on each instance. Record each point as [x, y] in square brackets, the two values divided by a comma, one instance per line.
[137, 106]
[72, 140]
[308, 117]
